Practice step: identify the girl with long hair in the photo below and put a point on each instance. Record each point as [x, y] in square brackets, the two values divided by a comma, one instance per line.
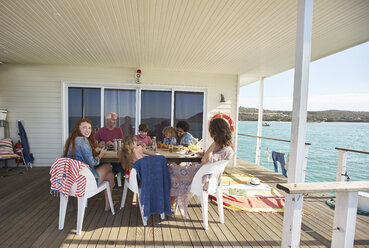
[182, 175]
[81, 146]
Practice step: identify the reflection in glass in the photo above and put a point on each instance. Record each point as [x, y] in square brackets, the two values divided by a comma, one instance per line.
[74, 106]
[156, 111]
[83, 103]
[189, 107]
[122, 102]
[92, 106]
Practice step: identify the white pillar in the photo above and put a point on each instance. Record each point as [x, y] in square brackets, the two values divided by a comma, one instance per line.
[236, 120]
[292, 210]
[293, 206]
[341, 166]
[344, 220]
[260, 120]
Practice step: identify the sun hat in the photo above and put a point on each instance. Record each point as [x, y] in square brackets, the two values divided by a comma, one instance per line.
[255, 181]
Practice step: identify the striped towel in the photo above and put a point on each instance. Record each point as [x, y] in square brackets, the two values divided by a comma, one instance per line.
[64, 173]
[6, 147]
[240, 195]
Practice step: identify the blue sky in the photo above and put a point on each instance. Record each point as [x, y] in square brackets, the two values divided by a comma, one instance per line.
[339, 81]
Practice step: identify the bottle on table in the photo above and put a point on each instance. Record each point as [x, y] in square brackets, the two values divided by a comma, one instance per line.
[153, 143]
[115, 145]
[119, 143]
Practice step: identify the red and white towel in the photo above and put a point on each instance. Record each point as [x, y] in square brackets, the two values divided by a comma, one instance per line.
[64, 173]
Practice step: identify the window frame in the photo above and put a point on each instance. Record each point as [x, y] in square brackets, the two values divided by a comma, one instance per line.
[138, 89]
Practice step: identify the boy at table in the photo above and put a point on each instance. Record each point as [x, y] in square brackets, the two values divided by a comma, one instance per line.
[142, 138]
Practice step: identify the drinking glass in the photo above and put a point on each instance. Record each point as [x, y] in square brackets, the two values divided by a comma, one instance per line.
[170, 148]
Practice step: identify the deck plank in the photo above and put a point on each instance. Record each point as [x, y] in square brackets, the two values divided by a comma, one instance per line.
[218, 227]
[73, 239]
[236, 234]
[132, 224]
[114, 234]
[36, 225]
[124, 227]
[178, 231]
[14, 211]
[88, 233]
[166, 234]
[27, 207]
[213, 238]
[158, 236]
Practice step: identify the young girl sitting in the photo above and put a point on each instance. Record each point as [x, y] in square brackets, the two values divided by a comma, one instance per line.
[131, 152]
[170, 136]
[81, 146]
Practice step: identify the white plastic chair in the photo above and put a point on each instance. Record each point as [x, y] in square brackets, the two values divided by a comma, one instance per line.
[215, 186]
[130, 182]
[91, 190]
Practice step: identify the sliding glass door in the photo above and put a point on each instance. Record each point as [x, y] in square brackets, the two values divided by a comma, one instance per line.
[84, 103]
[156, 111]
[134, 106]
[122, 102]
[189, 107]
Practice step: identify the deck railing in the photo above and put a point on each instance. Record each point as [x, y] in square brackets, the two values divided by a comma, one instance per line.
[341, 166]
[344, 222]
[281, 140]
[268, 138]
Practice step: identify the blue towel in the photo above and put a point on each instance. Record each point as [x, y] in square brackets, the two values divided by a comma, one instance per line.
[279, 157]
[28, 156]
[154, 181]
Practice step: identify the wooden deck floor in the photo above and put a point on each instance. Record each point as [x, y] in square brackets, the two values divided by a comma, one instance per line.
[29, 218]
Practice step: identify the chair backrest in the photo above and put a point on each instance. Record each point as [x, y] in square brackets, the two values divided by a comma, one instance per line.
[133, 185]
[215, 170]
[91, 185]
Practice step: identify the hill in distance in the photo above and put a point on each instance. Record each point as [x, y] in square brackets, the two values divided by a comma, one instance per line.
[251, 114]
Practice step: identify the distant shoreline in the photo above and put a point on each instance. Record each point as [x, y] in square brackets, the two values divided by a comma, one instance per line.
[251, 114]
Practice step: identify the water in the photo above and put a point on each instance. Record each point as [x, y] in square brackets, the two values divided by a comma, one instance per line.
[322, 157]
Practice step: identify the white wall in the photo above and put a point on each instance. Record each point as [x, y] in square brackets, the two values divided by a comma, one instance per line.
[33, 93]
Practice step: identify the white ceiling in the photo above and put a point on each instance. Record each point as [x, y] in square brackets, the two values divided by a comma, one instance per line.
[250, 37]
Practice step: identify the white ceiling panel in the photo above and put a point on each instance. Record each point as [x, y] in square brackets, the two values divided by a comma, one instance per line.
[249, 37]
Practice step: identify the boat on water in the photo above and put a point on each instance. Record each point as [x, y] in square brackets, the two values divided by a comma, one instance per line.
[266, 124]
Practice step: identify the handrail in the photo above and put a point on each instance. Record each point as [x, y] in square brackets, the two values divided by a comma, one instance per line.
[254, 136]
[323, 187]
[351, 150]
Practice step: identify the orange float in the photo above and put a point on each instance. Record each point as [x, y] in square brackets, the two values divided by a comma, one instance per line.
[227, 118]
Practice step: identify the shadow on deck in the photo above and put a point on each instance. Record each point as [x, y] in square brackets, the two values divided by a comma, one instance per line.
[29, 217]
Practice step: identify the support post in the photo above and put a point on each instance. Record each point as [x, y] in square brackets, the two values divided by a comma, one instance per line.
[260, 120]
[344, 219]
[236, 117]
[293, 207]
[341, 166]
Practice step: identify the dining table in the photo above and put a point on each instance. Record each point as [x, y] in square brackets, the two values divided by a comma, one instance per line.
[175, 156]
